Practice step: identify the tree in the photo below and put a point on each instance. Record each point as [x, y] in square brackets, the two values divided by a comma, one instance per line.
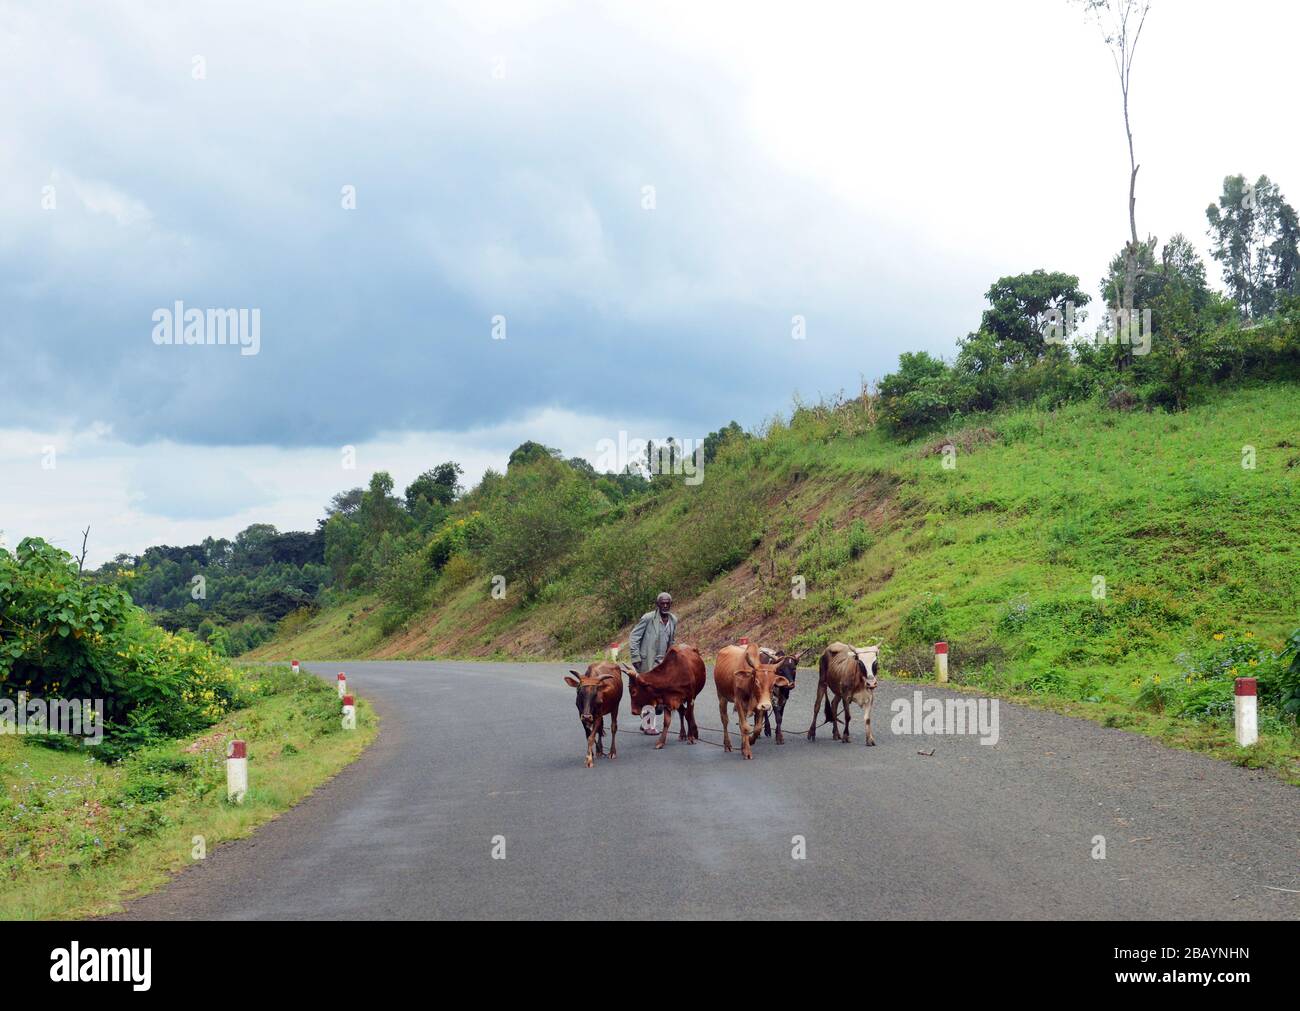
[530, 452]
[1255, 232]
[1180, 267]
[345, 502]
[440, 486]
[715, 440]
[537, 518]
[1121, 23]
[1017, 305]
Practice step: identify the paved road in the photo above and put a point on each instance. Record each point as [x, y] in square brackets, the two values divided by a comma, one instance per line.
[471, 751]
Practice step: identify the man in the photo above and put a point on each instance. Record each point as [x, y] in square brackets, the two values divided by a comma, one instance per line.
[648, 645]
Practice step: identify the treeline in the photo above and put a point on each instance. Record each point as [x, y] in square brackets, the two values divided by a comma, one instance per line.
[517, 525]
[433, 537]
[1182, 340]
[229, 593]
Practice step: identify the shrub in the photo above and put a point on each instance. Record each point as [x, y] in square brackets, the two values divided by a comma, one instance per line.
[64, 637]
[924, 623]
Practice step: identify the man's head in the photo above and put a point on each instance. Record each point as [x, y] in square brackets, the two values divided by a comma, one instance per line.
[664, 602]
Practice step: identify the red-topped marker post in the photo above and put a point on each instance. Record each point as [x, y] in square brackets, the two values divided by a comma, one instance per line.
[349, 713]
[236, 771]
[1244, 699]
[343, 684]
[941, 662]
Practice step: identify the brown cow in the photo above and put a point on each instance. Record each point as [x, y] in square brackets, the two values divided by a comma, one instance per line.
[846, 674]
[600, 691]
[747, 685]
[674, 683]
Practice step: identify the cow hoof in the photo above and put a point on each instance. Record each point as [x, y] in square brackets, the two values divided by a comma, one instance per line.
[812, 737]
[748, 757]
[871, 744]
[727, 748]
[690, 740]
[844, 739]
[588, 763]
[780, 739]
[659, 745]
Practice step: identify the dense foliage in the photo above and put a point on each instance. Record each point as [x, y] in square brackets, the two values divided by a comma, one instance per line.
[63, 635]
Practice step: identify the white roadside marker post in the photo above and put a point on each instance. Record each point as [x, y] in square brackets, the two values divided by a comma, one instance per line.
[1244, 697]
[613, 651]
[236, 771]
[349, 713]
[294, 666]
[941, 662]
[343, 684]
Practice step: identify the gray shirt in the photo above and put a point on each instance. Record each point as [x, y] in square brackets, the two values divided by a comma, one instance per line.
[650, 640]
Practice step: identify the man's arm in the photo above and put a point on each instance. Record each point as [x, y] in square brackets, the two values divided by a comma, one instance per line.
[634, 640]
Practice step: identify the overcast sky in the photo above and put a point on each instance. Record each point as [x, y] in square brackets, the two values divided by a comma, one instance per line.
[647, 194]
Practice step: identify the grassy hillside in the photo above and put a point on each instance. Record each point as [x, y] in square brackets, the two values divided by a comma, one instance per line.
[1002, 554]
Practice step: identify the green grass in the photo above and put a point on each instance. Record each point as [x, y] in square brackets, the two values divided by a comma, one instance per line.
[78, 836]
[1001, 555]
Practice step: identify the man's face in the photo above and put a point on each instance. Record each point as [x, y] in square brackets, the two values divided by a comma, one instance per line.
[664, 603]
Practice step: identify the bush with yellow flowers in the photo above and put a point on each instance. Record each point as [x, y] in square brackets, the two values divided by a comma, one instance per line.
[64, 636]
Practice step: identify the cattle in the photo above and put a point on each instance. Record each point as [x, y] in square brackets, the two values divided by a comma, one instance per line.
[788, 664]
[747, 685]
[600, 691]
[846, 674]
[674, 684]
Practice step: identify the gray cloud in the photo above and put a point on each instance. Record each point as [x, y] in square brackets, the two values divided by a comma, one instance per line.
[475, 197]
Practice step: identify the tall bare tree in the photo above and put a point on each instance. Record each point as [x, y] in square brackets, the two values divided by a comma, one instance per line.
[81, 558]
[1121, 24]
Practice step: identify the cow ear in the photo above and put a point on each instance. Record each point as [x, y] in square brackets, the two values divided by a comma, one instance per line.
[781, 682]
[570, 681]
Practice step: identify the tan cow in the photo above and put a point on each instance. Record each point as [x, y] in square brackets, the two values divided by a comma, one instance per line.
[599, 692]
[846, 674]
[747, 684]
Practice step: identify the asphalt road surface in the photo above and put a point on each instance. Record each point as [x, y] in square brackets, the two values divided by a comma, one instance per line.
[470, 753]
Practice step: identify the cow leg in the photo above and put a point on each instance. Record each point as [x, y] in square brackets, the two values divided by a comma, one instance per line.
[613, 733]
[726, 732]
[600, 735]
[866, 719]
[817, 705]
[745, 739]
[591, 737]
[780, 712]
[693, 734]
[845, 700]
[833, 714]
[663, 736]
